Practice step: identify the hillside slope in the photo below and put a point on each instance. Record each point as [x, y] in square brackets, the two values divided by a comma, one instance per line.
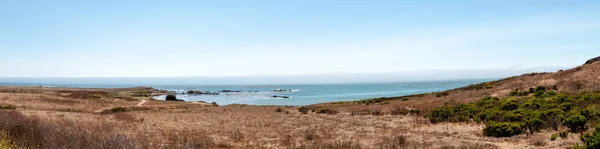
[582, 78]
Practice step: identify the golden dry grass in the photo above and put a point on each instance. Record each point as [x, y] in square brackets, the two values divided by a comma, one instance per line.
[162, 124]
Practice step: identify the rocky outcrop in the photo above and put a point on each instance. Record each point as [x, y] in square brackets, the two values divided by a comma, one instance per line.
[275, 96]
[194, 92]
[230, 91]
[171, 97]
[202, 93]
[592, 60]
[282, 90]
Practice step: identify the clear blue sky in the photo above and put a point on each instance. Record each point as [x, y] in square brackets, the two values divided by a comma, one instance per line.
[149, 38]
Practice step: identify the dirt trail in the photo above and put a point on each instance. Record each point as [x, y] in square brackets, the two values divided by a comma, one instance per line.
[141, 103]
[100, 111]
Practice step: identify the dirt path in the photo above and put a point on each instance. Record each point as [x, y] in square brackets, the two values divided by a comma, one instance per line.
[141, 103]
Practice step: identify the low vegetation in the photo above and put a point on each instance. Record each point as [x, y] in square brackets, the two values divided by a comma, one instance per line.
[480, 86]
[381, 100]
[327, 111]
[6, 142]
[32, 132]
[591, 140]
[7, 106]
[518, 114]
[142, 94]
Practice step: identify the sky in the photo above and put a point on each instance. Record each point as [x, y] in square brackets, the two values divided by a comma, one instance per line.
[228, 38]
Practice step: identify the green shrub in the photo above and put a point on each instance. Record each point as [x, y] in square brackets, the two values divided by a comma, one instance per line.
[488, 85]
[551, 93]
[303, 110]
[440, 115]
[503, 129]
[6, 142]
[414, 111]
[327, 111]
[514, 92]
[553, 137]
[591, 140]
[575, 122]
[563, 134]
[509, 105]
[8, 106]
[442, 94]
[118, 109]
[531, 114]
[534, 125]
[142, 94]
[538, 93]
[517, 92]
[540, 88]
[405, 99]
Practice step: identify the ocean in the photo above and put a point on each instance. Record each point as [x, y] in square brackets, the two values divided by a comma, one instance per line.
[301, 94]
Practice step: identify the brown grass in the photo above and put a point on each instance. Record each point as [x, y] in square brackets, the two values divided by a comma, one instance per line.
[32, 132]
[63, 118]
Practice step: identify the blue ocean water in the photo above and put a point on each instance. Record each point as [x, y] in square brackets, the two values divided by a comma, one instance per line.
[311, 94]
[300, 95]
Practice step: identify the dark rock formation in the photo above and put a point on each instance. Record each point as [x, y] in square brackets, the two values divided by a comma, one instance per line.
[171, 97]
[592, 60]
[230, 91]
[275, 96]
[194, 92]
[282, 90]
[202, 93]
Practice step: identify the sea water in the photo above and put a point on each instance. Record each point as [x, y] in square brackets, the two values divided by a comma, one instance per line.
[310, 94]
[304, 94]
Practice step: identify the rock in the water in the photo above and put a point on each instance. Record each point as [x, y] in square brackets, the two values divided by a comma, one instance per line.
[171, 97]
[592, 60]
[194, 92]
[230, 91]
[282, 90]
[202, 93]
[275, 96]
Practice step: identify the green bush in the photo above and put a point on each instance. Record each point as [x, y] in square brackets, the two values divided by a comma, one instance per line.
[326, 111]
[405, 99]
[532, 114]
[534, 125]
[517, 92]
[503, 129]
[563, 134]
[540, 88]
[7, 106]
[303, 110]
[414, 111]
[118, 109]
[551, 93]
[488, 85]
[538, 93]
[509, 105]
[440, 115]
[553, 137]
[442, 94]
[575, 122]
[591, 140]
[6, 142]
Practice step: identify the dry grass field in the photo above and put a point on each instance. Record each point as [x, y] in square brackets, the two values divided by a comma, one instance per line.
[41, 117]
